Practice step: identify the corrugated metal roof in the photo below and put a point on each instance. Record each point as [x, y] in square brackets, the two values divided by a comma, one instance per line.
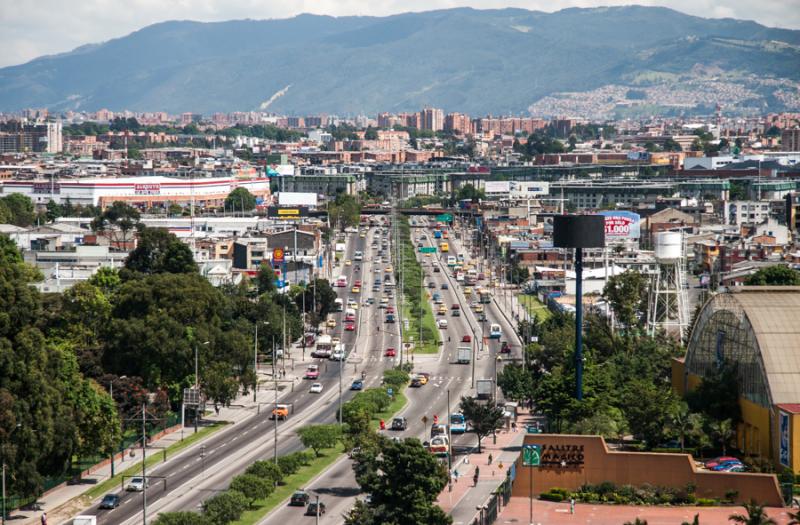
[774, 314]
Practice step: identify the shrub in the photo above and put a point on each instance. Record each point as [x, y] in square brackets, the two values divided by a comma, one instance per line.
[225, 507]
[547, 496]
[556, 494]
[706, 502]
[252, 486]
[731, 495]
[395, 378]
[267, 470]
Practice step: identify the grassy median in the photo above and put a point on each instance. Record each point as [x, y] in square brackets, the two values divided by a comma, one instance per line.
[535, 307]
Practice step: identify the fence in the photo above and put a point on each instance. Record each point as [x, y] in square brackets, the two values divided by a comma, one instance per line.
[490, 510]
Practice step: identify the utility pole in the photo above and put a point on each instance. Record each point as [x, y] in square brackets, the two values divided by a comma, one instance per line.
[144, 463]
[275, 412]
[255, 365]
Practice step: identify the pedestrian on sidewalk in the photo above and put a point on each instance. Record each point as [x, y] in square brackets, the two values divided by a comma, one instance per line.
[513, 426]
[572, 505]
[490, 459]
[44, 518]
[475, 476]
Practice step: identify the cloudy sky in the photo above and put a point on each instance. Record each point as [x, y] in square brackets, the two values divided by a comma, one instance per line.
[30, 28]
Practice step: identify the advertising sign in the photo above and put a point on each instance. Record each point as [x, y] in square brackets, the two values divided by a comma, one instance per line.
[531, 455]
[147, 189]
[784, 433]
[497, 186]
[292, 198]
[278, 256]
[277, 212]
[46, 187]
[621, 225]
[427, 249]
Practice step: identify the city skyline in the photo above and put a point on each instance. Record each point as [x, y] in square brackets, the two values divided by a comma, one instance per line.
[45, 28]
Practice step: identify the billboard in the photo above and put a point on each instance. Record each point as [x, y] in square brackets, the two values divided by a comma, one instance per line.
[784, 437]
[523, 189]
[278, 212]
[621, 225]
[278, 256]
[497, 186]
[291, 198]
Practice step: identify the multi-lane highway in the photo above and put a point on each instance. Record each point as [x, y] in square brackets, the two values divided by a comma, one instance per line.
[190, 477]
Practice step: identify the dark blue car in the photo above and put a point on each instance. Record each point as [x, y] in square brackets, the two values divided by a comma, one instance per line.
[357, 385]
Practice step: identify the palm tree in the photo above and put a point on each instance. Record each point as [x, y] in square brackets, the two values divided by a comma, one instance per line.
[724, 432]
[637, 521]
[755, 515]
[794, 518]
[695, 521]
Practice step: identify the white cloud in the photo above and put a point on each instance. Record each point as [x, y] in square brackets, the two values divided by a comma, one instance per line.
[33, 28]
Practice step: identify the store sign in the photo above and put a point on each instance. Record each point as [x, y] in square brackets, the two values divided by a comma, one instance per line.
[278, 257]
[784, 438]
[46, 187]
[562, 456]
[147, 189]
[621, 225]
[295, 212]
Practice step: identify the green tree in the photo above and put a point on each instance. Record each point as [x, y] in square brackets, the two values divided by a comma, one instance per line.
[134, 153]
[371, 134]
[225, 507]
[484, 418]
[159, 251]
[723, 431]
[756, 515]
[469, 191]
[717, 396]
[253, 487]
[20, 210]
[267, 470]
[344, 212]
[181, 518]
[106, 279]
[321, 294]
[219, 384]
[680, 421]
[240, 199]
[626, 293]
[54, 211]
[319, 437]
[404, 481]
[647, 406]
[515, 382]
[776, 275]
[118, 223]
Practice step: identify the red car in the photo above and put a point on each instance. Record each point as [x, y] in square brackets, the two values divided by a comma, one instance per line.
[505, 348]
[358, 283]
[350, 327]
[390, 309]
[390, 352]
[466, 339]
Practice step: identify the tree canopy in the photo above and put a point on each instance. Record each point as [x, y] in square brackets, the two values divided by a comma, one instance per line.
[776, 275]
[240, 199]
[159, 251]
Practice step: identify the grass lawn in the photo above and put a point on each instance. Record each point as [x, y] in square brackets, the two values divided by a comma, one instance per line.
[535, 307]
[303, 476]
[299, 479]
[154, 457]
[428, 325]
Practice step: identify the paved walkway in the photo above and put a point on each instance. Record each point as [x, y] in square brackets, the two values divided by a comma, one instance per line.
[461, 498]
[548, 513]
[64, 501]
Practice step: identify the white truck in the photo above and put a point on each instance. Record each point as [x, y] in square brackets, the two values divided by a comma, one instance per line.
[464, 355]
[85, 520]
[484, 388]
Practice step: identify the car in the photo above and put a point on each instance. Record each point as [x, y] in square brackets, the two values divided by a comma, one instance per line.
[311, 510]
[466, 339]
[348, 262]
[299, 498]
[110, 501]
[721, 461]
[456, 313]
[482, 318]
[357, 385]
[390, 309]
[439, 429]
[442, 324]
[137, 484]
[445, 286]
[390, 318]
[424, 377]
[442, 310]
[338, 355]
[376, 288]
[431, 284]
[505, 348]
[399, 423]
[355, 289]
[350, 327]
[478, 308]
[436, 269]
[312, 372]
[388, 269]
[316, 388]
[390, 352]
[331, 323]
[416, 382]
[280, 411]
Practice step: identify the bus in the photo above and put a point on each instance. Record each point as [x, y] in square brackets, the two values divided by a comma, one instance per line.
[471, 277]
[458, 425]
[445, 247]
[324, 346]
[484, 297]
[439, 445]
[494, 331]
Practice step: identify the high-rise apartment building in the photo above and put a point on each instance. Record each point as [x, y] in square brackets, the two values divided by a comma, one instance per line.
[458, 123]
[790, 139]
[432, 119]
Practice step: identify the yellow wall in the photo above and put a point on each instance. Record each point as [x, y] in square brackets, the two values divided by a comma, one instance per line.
[795, 441]
[678, 368]
[754, 433]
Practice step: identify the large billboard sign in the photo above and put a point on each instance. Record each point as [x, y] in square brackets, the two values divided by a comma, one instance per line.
[279, 212]
[292, 198]
[497, 186]
[621, 225]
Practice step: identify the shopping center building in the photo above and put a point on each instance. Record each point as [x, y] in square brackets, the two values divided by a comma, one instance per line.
[758, 329]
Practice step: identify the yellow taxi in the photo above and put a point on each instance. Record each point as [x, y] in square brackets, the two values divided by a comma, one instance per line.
[348, 262]
[389, 269]
[356, 289]
[331, 323]
[442, 310]
[467, 292]
[479, 308]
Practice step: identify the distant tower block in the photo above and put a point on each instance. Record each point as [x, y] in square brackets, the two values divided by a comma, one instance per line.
[667, 307]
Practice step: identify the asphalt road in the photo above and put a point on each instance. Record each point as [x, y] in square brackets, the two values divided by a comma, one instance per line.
[337, 487]
[188, 478]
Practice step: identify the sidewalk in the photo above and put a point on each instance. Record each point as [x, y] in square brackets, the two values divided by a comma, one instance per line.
[460, 499]
[66, 500]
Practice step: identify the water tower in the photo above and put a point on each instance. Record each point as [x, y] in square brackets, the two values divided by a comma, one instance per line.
[667, 304]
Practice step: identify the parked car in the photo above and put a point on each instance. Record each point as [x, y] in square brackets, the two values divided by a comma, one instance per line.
[110, 501]
[299, 498]
[722, 460]
[311, 510]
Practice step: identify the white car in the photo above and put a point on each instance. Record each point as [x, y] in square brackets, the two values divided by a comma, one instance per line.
[316, 388]
[136, 484]
[337, 355]
[442, 323]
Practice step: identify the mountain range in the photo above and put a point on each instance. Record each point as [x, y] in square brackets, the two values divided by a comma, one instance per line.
[475, 61]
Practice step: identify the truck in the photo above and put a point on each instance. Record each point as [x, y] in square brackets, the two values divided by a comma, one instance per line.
[85, 520]
[464, 355]
[484, 388]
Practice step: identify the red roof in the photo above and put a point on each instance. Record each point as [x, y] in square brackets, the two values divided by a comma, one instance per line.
[793, 408]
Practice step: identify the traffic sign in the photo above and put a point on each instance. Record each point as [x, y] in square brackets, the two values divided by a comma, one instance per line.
[445, 217]
[427, 249]
[531, 455]
[532, 429]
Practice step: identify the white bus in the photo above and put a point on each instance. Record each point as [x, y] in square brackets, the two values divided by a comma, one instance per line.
[338, 304]
[324, 346]
[494, 331]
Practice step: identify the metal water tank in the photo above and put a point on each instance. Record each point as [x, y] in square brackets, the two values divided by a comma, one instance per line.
[669, 246]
